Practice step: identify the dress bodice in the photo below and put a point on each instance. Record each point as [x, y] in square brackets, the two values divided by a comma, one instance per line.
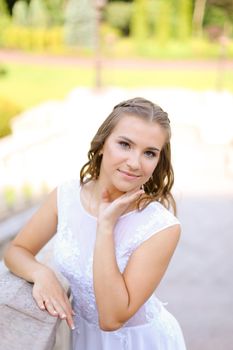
[74, 246]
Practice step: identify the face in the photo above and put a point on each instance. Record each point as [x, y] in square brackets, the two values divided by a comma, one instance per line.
[130, 154]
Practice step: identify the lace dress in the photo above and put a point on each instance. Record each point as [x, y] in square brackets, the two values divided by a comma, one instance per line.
[152, 327]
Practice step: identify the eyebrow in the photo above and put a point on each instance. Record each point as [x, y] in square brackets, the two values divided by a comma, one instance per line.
[133, 143]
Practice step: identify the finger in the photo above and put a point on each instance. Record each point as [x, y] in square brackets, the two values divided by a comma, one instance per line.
[67, 302]
[64, 310]
[39, 301]
[60, 308]
[50, 308]
[70, 322]
[69, 312]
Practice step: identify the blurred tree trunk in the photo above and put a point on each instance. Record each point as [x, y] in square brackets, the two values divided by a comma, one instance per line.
[198, 16]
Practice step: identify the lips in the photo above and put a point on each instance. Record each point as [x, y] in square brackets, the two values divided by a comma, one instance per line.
[128, 174]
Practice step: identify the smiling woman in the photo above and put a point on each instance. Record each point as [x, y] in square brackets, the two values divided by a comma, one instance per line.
[114, 237]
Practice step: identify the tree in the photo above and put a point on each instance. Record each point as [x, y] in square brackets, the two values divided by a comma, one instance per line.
[198, 16]
[80, 17]
[20, 13]
[226, 5]
[56, 11]
[163, 31]
[139, 26]
[38, 15]
[3, 9]
[185, 19]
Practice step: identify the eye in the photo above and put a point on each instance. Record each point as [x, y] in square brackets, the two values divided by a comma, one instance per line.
[150, 154]
[124, 144]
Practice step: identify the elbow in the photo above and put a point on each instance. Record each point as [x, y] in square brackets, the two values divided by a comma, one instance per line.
[109, 326]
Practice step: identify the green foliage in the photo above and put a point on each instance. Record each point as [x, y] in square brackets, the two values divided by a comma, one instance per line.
[38, 15]
[139, 27]
[20, 13]
[8, 111]
[9, 194]
[56, 12]
[80, 20]
[163, 32]
[33, 39]
[118, 15]
[216, 16]
[33, 84]
[3, 9]
[185, 19]
[27, 191]
[153, 14]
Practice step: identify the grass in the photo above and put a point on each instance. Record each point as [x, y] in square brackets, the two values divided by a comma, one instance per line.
[28, 85]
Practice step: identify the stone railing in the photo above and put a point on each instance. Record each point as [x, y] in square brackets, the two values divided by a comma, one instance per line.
[23, 326]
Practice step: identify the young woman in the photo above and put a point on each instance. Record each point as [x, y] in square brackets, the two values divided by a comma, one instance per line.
[115, 236]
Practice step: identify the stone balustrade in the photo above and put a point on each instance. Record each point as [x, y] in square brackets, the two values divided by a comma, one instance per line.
[23, 326]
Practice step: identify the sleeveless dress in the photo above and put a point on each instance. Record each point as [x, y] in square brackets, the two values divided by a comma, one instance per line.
[152, 327]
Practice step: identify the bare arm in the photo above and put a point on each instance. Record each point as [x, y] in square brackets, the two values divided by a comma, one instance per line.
[20, 259]
[119, 296]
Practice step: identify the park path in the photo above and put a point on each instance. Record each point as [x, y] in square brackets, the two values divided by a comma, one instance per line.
[7, 56]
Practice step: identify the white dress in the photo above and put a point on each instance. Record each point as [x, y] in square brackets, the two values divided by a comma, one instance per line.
[152, 327]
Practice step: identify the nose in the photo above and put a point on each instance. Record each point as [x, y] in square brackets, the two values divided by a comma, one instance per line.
[133, 161]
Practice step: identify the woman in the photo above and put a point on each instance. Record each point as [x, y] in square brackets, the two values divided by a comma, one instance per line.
[115, 237]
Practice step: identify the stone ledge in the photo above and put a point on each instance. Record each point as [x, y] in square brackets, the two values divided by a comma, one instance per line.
[23, 326]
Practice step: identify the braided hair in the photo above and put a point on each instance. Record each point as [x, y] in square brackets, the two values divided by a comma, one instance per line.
[158, 187]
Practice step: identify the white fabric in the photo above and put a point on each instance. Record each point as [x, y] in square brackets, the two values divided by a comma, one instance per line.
[152, 327]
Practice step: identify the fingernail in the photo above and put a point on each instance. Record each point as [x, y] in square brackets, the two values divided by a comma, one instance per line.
[63, 316]
[72, 327]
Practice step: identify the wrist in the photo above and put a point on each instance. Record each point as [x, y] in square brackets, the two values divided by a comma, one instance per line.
[40, 272]
[104, 227]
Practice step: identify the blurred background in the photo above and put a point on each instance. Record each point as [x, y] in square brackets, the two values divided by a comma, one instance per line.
[63, 66]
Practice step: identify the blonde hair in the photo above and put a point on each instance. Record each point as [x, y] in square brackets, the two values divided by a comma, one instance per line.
[158, 187]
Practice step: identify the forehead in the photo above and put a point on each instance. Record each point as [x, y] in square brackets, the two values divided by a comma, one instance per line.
[146, 132]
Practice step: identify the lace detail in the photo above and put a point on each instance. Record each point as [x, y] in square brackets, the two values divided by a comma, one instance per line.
[167, 326]
[158, 219]
[123, 336]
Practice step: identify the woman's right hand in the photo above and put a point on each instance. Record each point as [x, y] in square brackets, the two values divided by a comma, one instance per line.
[50, 295]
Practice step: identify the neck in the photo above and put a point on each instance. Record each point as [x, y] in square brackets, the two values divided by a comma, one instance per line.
[100, 185]
[96, 192]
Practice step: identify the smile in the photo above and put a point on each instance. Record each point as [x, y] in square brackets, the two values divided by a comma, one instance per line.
[128, 175]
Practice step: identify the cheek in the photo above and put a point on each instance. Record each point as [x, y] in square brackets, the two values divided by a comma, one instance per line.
[150, 166]
[112, 154]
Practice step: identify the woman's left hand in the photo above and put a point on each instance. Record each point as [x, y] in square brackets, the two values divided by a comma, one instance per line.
[109, 212]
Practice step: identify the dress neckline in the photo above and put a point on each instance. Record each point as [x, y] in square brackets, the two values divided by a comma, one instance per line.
[94, 217]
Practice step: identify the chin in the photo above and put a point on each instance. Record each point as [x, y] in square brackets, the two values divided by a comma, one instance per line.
[124, 187]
